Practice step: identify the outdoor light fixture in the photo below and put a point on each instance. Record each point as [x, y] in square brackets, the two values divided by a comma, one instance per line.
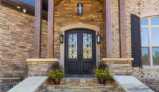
[18, 8]
[24, 10]
[79, 8]
[61, 38]
[98, 39]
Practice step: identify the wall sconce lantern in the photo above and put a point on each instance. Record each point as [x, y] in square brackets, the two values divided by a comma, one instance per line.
[98, 38]
[61, 38]
[19, 8]
[79, 8]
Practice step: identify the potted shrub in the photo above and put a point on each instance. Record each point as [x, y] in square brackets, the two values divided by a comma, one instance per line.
[55, 76]
[103, 75]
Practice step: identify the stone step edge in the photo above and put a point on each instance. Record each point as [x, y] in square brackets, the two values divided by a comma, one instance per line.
[94, 87]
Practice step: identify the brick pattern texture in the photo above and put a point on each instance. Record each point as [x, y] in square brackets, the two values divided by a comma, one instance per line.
[16, 30]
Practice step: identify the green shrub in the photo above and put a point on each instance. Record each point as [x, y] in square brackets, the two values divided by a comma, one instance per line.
[103, 74]
[56, 74]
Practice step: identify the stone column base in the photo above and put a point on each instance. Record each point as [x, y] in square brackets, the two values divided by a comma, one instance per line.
[40, 67]
[119, 66]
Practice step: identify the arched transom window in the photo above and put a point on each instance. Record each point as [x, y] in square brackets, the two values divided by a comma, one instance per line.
[150, 40]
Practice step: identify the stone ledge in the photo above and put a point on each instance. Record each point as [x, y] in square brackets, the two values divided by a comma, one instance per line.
[10, 78]
[117, 60]
[41, 61]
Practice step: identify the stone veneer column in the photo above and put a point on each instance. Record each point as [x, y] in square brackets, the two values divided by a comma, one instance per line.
[50, 48]
[108, 27]
[37, 32]
[122, 29]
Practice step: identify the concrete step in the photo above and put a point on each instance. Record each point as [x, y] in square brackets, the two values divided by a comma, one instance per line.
[82, 85]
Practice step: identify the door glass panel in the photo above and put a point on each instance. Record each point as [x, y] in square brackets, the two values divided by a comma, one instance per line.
[72, 46]
[87, 46]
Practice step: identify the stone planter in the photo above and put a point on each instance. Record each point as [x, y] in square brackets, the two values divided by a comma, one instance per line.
[40, 67]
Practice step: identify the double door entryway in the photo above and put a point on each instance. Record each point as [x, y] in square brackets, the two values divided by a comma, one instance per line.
[80, 51]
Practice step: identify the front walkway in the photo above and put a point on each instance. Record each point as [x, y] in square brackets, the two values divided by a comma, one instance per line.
[131, 84]
[31, 84]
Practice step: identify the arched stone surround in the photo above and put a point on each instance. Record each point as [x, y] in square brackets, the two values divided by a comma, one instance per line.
[76, 26]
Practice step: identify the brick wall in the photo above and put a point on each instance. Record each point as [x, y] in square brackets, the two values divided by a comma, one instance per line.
[15, 41]
[16, 29]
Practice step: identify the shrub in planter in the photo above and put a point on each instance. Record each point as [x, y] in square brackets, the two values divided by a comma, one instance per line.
[103, 75]
[55, 76]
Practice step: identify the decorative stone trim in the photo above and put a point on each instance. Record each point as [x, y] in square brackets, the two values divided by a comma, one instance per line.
[40, 67]
[80, 25]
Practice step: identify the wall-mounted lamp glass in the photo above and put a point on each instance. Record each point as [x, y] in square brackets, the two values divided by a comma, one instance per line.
[98, 39]
[61, 38]
[79, 9]
[24, 10]
[19, 8]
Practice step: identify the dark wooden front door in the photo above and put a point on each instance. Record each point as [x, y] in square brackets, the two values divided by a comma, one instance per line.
[80, 51]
